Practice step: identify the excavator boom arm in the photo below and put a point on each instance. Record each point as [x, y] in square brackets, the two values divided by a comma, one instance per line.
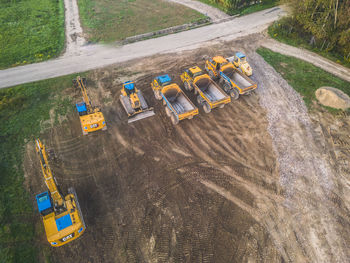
[86, 98]
[49, 179]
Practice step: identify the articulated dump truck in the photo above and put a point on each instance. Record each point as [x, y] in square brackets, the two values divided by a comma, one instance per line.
[233, 81]
[177, 105]
[209, 94]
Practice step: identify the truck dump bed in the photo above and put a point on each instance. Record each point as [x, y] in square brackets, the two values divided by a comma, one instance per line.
[238, 78]
[179, 102]
[210, 90]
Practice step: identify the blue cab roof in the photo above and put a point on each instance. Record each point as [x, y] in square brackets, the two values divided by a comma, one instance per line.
[63, 222]
[164, 78]
[240, 55]
[43, 200]
[129, 85]
[81, 107]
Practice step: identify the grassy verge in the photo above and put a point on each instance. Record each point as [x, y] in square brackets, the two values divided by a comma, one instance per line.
[109, 21]
[282, 31]
[244, 10]
[30, 31]
[304, 77]
[23, 109]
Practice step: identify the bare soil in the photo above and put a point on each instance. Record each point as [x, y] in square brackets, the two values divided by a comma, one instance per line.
[211, 189]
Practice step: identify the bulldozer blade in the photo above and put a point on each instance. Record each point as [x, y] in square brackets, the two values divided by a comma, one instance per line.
[71, 190]
[140, 116]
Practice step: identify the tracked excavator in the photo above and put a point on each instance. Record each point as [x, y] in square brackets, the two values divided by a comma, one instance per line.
[62, 217]
[91, 118]
[134, 103]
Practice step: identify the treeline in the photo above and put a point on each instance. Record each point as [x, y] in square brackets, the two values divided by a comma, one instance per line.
[325, 24]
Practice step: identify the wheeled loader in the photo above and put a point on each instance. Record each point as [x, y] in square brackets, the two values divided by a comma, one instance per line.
[239, 60]
[134, 103]
[62, 217]
[209, 94]
[233, 81]
[91, 118]
[177, 105]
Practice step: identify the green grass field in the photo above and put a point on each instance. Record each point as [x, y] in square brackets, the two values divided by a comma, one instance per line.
[107, 21]
[304, 77]
[22, 112]
[30, 31]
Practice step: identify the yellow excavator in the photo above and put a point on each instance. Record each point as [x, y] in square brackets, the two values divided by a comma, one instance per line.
[91, 118]
[134, 103]
[62, 217]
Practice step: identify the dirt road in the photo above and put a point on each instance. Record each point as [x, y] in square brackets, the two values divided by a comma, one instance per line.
[96, 56]
[252, 182]
[311, 57]
[212, 12]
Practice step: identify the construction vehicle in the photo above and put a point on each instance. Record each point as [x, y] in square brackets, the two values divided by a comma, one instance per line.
[134, 103]
[209, 94]
[177, 105]
[91, 118]
[239, 60]
[62, 217]
[233, 81]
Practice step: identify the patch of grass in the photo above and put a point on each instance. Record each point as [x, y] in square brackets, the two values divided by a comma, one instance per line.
[23, 109]
[304, 77]
[283, 31]
[107, 21]
[30, 31]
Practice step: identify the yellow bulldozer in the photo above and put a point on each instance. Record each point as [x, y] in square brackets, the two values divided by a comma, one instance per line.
[134, 103]
[91, 118]
[62, 217]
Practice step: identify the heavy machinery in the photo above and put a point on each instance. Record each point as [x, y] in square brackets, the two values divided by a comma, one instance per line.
[209, 94]
[239, 60]
[233, 81]
[91, 118]
[177, 105]
[134, 103]
[62, 217]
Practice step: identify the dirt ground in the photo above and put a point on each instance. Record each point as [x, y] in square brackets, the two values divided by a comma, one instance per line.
[212, 189]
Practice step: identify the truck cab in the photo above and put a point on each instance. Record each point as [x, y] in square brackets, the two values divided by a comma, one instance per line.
[216, 64]
[158, 83]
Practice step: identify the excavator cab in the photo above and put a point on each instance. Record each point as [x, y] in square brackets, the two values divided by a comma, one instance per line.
[44, 203]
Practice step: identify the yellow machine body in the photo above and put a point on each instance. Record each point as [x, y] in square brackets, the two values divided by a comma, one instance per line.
[192, 79]
[91, 118]
[243, 64]
[63, 220]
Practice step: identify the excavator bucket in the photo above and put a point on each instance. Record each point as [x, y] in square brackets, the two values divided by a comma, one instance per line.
[136, 114]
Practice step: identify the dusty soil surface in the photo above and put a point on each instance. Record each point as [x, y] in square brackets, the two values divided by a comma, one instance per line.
[74, 32]
[212, 12]
[333, 97]
[311, 57]
[252, 182]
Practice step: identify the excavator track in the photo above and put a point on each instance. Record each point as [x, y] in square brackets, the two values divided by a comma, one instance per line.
[71, 190]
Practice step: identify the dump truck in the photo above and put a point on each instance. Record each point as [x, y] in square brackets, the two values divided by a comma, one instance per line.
[177, 105]
[62, 217]
[91, 118]
[209, 94]
[134, 103]
[239, 60]
[233, 81]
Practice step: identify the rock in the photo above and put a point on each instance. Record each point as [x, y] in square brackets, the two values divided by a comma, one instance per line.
[333, 97]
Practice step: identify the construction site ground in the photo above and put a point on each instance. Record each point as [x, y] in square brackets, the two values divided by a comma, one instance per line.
[256, 181]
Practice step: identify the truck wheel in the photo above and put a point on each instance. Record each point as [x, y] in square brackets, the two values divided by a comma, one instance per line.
[234, 93]
[174, 118]
[206, 107]
[187, 86]
[167, 111]
[199, 99]
[211, 75]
